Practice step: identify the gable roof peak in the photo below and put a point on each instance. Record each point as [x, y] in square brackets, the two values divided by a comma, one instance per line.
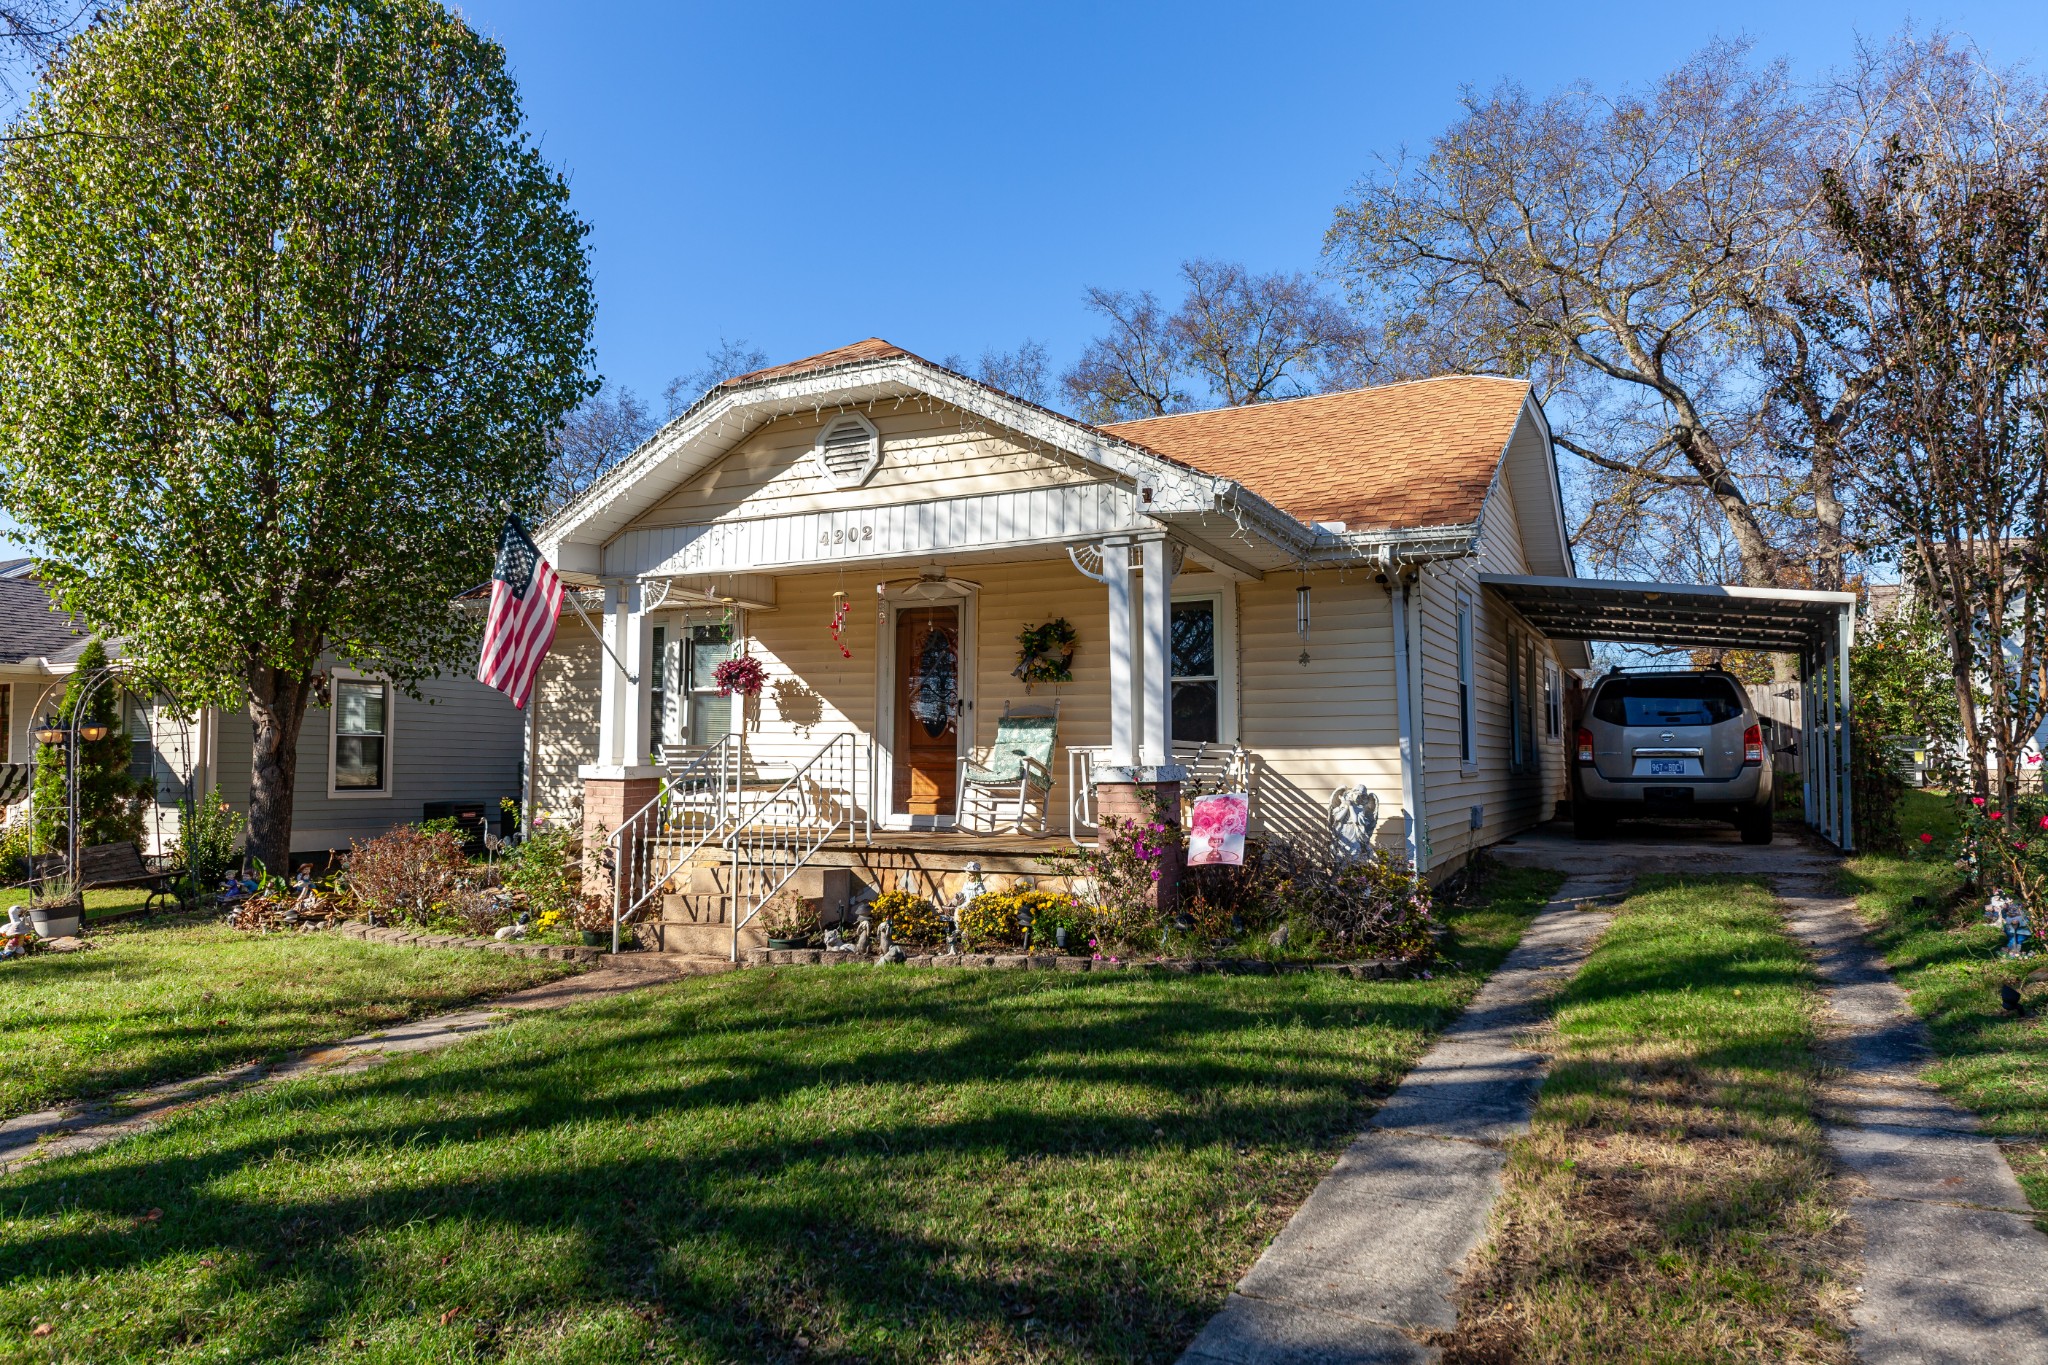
[873, 348]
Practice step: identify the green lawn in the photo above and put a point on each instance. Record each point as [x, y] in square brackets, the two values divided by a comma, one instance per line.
[99, 903]
[1948, 959]
[1673, 1199]
[852, 1164]
[151, 1001]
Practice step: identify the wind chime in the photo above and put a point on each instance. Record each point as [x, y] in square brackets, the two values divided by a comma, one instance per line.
[1301, 616]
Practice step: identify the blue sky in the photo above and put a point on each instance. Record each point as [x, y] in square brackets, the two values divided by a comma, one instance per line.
[952, 177]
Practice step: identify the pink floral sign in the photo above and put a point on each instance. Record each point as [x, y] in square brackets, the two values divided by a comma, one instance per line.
[1216, 832]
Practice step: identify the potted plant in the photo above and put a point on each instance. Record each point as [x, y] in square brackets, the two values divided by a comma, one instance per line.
[743, 674]
[57, 908]
[790, 921]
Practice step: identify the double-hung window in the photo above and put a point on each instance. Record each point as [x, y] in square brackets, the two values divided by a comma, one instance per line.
[362, 737]
[1197, 681]
[708, 716]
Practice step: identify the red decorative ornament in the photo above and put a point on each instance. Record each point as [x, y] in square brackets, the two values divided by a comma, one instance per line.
[841, 605]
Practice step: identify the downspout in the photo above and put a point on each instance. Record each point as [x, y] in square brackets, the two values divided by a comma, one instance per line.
[1406, 709]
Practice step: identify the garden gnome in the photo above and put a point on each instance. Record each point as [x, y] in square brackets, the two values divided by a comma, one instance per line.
[975, 887]
[860, 933]
[882, 944]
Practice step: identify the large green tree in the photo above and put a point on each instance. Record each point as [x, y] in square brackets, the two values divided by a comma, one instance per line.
[289, 304]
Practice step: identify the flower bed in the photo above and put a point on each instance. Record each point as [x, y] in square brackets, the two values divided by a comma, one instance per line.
[1370, 969]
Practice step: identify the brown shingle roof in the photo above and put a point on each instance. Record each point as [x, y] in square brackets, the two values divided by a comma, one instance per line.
[874, 348]
[1396, 457]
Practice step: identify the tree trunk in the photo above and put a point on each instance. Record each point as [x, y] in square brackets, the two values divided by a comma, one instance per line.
[277, 707]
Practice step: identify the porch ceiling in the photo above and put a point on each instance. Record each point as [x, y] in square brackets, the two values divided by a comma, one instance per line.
[1780, 619]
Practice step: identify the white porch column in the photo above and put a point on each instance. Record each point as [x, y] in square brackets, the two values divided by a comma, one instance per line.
[1157, 751]
[625, 699]
[1123, 696]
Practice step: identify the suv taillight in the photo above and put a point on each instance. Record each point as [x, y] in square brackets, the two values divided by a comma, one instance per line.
[1753, 745]
[1585, 746]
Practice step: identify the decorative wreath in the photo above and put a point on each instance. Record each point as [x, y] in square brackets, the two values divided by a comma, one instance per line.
[742, 674]
[1045, 653]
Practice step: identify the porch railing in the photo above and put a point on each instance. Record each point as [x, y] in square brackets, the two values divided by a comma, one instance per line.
[1211, 768]
[695, 806]
[775, 838]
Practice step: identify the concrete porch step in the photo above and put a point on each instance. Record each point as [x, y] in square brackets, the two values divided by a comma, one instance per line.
[708, 940]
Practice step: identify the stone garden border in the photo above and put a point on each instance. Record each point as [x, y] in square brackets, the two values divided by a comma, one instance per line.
[1371, 969]
[413, 938]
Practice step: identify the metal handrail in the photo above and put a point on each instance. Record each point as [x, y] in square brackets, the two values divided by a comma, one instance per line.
[647, 848]
[774, 841]
[1231, 764]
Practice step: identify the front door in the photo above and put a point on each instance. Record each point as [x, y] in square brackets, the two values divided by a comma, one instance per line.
[927, 741]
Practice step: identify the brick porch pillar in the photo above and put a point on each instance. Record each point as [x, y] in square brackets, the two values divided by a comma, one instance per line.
[1129, 801]
[610, 795]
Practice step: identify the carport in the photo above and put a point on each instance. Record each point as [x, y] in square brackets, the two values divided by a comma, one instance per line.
[1816, 626]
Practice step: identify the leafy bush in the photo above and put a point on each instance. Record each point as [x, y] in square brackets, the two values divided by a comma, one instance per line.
[110, 801]
[475, 910]
[1121, 876]
[405, 871]
[999, 917]
[547, 868]
[209, 841]
[17, 846]
[788, 915]
[912, 920]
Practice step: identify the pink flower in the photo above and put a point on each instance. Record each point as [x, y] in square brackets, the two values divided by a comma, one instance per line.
[2044, 822]
[1994, 815]
[2020, 844]
[1926, 838]
[1976, 800]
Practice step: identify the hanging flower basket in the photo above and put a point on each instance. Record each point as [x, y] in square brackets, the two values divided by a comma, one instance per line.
[1045, 653]
[742, 674]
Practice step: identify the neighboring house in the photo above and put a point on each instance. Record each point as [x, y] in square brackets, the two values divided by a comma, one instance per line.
[1299, 580]
[372, 759]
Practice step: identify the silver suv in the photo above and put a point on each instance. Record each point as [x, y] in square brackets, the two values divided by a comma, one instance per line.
[1670, 743]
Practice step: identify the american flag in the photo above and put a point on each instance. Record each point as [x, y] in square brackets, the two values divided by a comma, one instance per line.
[525, 596]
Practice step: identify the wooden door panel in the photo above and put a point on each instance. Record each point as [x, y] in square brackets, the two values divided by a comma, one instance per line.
[927, 709]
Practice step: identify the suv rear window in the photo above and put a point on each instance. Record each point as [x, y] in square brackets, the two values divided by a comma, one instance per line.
[1702, 700]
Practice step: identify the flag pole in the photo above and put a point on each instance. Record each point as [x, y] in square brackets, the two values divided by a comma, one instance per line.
[569, 594]
[569, 591]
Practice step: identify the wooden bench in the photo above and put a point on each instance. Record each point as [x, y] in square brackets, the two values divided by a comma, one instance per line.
[109, 865]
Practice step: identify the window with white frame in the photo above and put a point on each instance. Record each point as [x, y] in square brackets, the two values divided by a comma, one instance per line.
[707, 716]
[657, 690]
[1467, 735]
[1197, 673]
[361, 752]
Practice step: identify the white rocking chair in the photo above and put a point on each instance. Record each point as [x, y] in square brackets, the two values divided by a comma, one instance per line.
[1017, 766]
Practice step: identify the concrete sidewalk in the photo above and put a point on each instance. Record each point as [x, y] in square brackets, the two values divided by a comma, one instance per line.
[1370, 1258]
[1954, 1267]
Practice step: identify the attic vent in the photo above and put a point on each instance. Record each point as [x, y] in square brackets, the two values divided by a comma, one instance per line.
[848, 450]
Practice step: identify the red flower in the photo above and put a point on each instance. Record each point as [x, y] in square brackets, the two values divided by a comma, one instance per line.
[2020, 844]
[1994, 815]
[1926, 838]
[1976, 800]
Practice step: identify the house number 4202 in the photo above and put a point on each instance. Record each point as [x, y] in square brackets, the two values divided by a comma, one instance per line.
[845, 535]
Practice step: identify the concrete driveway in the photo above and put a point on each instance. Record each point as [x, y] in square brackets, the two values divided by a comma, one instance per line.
[1683, 846]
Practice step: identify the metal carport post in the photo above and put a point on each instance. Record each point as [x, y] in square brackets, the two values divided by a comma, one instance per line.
[1815, 627]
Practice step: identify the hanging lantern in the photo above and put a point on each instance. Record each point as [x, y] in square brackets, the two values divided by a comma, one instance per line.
[51, 731]
[92, 731]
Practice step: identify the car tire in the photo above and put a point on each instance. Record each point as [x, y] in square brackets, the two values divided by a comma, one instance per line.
[1756, 827]
[1590, 822]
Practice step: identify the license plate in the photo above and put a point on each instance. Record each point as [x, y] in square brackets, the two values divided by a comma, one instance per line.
[1667, 767]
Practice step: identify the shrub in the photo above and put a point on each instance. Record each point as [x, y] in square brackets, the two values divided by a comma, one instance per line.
[110, 801]
[209, 841]
[999, 916]
[475, 910]
[1374, 908]
[405, 871]
[17, 846]
[911, 918]
[1121, 874]
[547, 868]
